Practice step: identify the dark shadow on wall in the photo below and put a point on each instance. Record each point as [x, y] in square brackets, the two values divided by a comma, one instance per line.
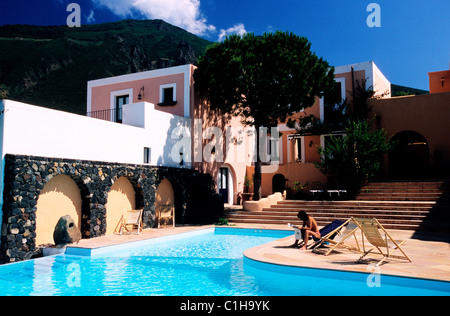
[436, 225]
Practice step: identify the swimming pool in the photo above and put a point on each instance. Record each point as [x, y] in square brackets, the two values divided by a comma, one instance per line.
[207, 262]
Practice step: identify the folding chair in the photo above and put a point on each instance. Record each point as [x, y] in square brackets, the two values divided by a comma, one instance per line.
[343, 232]
[329, 228]
[166, 213]
[131, 218]
[371, 229]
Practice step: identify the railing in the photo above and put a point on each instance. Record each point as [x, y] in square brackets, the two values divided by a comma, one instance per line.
[112, 115]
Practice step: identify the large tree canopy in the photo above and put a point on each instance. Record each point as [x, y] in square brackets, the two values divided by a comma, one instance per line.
[262, 79]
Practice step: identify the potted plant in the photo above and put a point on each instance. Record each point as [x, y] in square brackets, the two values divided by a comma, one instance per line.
[247, 195]
[296, 192]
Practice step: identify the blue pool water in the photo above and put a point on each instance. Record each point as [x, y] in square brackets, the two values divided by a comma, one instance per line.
[209, 262]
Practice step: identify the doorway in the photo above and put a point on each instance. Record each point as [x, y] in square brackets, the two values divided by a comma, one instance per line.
[410, 156]
[278, 183]
[223, 183]
[120, 102]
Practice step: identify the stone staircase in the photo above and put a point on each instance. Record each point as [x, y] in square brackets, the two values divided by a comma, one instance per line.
[403, 191]
[397, 205]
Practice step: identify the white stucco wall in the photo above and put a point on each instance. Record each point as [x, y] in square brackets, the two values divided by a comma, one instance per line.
[38, 131]
[31, 130]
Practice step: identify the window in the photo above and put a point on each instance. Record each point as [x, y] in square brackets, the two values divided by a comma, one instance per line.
[118, 99]
[167, 95]
[297, 151]
[335, 96]
[334, 108]
[120, 102]
[146, 155]
[326, 139]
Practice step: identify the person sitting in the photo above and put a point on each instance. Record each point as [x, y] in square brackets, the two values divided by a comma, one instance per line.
[308, 229]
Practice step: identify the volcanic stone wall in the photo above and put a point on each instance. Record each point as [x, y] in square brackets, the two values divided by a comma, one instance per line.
[26, 176]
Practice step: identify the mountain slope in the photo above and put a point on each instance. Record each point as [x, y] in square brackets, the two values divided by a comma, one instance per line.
[50, 65]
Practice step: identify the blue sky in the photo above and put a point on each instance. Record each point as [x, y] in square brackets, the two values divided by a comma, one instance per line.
[412, 40]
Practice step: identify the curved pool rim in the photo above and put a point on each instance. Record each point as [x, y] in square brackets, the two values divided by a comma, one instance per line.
[251, 258]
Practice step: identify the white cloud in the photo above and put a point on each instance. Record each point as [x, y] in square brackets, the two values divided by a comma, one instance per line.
[183, 13]
[238, 29]
[90, 18]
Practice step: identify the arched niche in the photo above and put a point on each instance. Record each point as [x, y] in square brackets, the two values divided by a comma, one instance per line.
[59, 197]
[410, 156]
[121, 198]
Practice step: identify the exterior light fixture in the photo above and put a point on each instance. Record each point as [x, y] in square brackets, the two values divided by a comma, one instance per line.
[140, 95]
[442, 81]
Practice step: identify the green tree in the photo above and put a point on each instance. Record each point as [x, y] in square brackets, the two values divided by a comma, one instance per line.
[355, 158]
[262, 79]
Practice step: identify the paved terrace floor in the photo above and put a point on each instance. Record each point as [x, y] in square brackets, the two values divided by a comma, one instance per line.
[430, 252]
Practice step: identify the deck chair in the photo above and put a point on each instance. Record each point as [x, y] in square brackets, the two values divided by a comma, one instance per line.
[166, 213]
[386, 246]
[131, 219]
[323, 231]
[338, 236]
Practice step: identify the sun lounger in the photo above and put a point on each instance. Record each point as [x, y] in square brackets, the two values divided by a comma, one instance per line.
[338, 236]
[166, 214]
[326, 230]
[131, 219]
[386, 245]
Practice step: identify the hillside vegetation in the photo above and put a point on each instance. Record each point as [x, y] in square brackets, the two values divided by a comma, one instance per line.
[50, 65]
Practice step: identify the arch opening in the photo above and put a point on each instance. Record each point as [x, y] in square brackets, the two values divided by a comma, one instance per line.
[121, 198]
[165, 196]
[226, 181]
[59, 197]
[410, 156]
[278, 183]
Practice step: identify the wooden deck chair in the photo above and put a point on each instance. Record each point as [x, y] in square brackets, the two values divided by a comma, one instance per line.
[386, 246]
[131, 219]
[166, 213]
[344, 232]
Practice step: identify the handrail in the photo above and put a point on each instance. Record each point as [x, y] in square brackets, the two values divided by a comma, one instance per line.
[112, 115]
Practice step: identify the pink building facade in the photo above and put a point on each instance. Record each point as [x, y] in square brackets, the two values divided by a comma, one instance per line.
[219, 144]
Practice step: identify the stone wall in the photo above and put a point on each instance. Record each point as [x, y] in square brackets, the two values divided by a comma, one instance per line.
[25, 177]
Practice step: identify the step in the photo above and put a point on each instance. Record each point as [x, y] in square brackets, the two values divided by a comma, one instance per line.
[290, 212]
[409, 225]
[399, 191]
[392, 198]
[406, 183]
[350, 206]
[357, 204]
[325, 218]
[411, 205]
[293, 215]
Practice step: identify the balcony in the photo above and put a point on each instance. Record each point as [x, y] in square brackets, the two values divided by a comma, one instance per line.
[112, 115]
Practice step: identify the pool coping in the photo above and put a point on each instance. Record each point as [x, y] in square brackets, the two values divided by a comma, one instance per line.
[423, 266]
[431, 259]
[82, 250]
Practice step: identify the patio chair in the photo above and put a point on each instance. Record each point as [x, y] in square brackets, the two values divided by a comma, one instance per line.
[131, 219]
[386, 246]
[165, 214]
[326, 230]
[346, 230]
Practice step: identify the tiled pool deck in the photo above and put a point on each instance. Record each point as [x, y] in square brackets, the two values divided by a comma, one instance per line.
[430, 253]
